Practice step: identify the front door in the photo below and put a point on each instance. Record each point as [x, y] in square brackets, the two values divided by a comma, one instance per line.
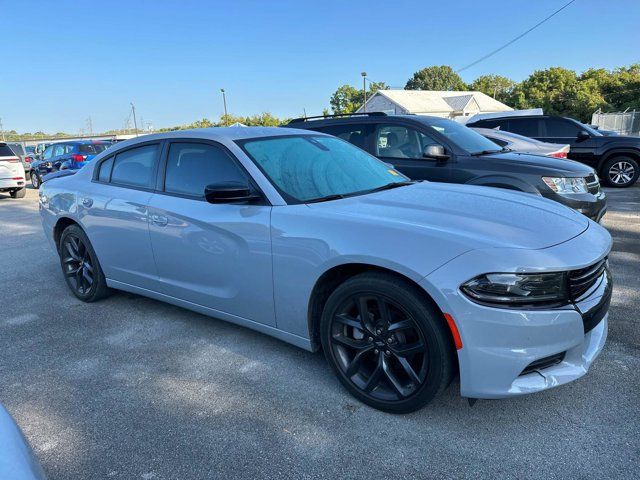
[402, 147]
[213, 255]
[564, 131]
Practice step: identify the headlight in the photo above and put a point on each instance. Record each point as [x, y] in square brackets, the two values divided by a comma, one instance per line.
[566, 185]
[518, 289]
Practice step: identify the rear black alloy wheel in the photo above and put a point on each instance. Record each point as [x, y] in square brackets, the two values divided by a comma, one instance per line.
[386, 343]
[80, 266]
[76, 263]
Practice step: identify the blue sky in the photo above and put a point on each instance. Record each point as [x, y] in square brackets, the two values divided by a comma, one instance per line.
[70, 60]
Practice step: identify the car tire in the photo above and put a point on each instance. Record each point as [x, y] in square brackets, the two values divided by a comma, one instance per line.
[620, 171]
[380, 361]
[80, 266]
[20, 193]
[35, 180]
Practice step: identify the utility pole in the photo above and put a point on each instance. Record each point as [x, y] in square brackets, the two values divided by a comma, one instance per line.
[135, 122]
[2, 131]
[224, 100]
[364, 91]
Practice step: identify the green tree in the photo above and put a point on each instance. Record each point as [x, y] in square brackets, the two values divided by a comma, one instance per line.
[347, 99]
[622, 91]
[496, 86]
[436, 78]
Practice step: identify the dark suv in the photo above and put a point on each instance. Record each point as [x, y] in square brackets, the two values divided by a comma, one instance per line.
[614, 157]
[437, 149]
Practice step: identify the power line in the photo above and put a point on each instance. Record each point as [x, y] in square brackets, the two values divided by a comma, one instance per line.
[490, 54]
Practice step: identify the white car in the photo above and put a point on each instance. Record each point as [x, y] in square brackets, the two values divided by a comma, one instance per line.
[12, 177]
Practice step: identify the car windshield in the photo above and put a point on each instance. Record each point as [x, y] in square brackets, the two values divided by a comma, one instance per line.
[464, 137]
[589, 129]
[307, 168]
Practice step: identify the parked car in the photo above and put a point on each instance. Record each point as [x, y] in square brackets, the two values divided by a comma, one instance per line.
[65, 155]
[614, 157]
[17, 461]
[305, 237]
[518, 143]
[11, 172]
[18, 149]
[440, 150]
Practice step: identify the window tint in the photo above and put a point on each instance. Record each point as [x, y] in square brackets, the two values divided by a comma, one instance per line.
[396, 141]
[193, 166]
[92, 149]
[104, 175]
[5, 151]
[135, 167]
[355, 134]
[529, 127]
[58, 150]
[557, 127]
[47, 153]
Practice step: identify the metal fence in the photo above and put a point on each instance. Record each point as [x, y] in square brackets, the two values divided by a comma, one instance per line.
[623, 123]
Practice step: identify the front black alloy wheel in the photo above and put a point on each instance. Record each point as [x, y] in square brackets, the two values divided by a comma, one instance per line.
[80, 266]
[386, 342]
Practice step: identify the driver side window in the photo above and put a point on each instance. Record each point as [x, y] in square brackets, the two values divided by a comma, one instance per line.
[47, 152]
[397, 141]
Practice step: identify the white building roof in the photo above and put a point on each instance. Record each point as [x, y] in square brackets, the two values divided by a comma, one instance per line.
[438, 101]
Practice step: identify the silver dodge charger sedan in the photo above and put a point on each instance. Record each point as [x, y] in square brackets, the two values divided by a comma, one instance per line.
[309, 239]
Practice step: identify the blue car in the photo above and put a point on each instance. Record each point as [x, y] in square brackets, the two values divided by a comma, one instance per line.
[65, 155]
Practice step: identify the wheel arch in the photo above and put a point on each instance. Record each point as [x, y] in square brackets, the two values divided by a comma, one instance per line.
[338, 274]
[61, 224]
[631, 152]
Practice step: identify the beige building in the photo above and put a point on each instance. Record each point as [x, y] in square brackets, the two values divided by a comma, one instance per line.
[447, 104]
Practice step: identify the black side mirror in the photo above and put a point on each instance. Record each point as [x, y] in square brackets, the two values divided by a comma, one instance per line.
[229, 193]
[436, 152]
[583, 135]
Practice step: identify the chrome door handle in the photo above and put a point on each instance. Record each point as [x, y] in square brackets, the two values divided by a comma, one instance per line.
[159, 220]
[87, 202]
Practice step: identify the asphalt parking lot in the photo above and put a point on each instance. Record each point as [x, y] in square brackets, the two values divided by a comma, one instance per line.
[133, 388]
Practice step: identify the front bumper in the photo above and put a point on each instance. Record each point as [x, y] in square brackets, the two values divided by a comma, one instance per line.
[499, 345]
[591, 205]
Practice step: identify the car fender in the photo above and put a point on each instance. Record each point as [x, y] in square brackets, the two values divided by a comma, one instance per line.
[502, 181]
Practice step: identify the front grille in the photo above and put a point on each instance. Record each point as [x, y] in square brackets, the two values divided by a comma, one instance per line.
[593, 184]
[580, 281]
[545, 362]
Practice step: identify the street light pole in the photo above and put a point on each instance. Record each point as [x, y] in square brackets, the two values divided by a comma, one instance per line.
[2, 130]
[224, 101]
[364, 91]
[135, 122]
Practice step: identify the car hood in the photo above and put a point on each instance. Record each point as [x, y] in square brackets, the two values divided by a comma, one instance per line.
[545, 166]
[478, 217]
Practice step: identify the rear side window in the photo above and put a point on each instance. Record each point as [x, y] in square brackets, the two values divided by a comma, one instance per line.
[355, 134]
[135, 167]
[92, 149]
[529, 127]
[193, 166]
[104, 175]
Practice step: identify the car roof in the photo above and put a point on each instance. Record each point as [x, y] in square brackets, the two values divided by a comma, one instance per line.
[219, 133]
[425, 119]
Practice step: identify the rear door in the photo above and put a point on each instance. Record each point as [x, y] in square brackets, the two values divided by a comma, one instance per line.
[402, 146]
[114, 211]
[214, 255]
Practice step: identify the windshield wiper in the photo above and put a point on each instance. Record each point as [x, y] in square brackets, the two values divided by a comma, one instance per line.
[485, 152]
[326, 198]
[389, 186]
